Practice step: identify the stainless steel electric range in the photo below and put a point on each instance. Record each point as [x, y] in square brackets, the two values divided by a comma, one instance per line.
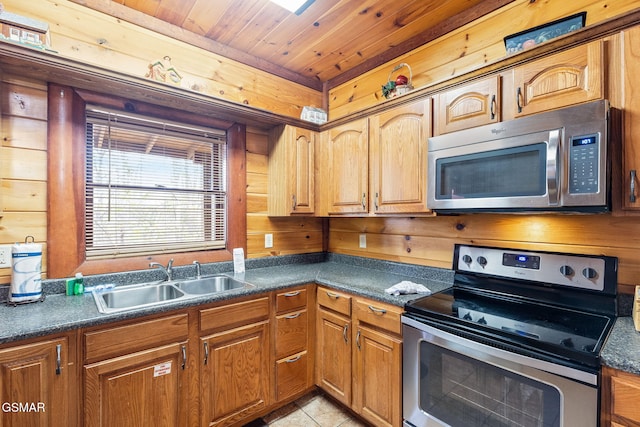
[514, 342]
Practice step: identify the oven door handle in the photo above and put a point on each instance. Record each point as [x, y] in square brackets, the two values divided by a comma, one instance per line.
[553, 148]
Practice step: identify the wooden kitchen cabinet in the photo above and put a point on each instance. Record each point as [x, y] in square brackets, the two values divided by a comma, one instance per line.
[570, 77]
[333, 344]
[37, 375]
[234, 361]
[398, 151]
[361, 337]
[472, 104]
[346, 168]
[620, 391]
[293, 355]
[136, 373]
[291, 171]
[377, 362]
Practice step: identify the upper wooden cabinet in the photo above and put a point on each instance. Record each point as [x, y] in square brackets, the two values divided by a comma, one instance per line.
[346, 159]
[474, 104]
[398, 153]
[291, 171]
[570, 77]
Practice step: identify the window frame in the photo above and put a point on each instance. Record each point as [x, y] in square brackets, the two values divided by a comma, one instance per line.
[66, 253]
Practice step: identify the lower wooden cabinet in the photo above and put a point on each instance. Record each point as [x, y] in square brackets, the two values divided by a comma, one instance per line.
[235, 381]
[136, 374]
[620, 398]
[35, 382]
[359, 356]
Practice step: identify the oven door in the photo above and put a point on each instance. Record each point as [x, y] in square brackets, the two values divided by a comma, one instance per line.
[520, 172]
[453, 381]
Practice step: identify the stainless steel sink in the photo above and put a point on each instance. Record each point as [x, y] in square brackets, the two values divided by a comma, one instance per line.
[210, 284]
[136, 296]
[152, 294]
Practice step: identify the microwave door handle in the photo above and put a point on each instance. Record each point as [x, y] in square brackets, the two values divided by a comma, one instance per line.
[552, 166]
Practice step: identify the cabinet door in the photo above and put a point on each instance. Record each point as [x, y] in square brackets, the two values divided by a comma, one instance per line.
[291, 171]
[570, 77]
[377, 385]
[348, 163]
[333, 360]
[620, 395]
[471, 105]
[35, 376]
[148, 388]
[398, 144]
[234, 374]
[631, 119]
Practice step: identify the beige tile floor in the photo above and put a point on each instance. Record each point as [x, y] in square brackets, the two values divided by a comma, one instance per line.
[312, 410]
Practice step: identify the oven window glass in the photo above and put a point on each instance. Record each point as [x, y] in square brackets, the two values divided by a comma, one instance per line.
[509, 172]
[461, 391]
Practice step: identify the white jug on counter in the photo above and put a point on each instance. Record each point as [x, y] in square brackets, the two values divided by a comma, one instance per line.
[26, 272]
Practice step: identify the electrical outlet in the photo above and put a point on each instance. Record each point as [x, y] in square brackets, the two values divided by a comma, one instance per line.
[363, 241]
[5, 256]
[268, 240]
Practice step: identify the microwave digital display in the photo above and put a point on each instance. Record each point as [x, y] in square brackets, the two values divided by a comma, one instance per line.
[585, 140]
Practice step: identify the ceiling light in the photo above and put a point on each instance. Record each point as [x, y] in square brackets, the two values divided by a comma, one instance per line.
[297, 6]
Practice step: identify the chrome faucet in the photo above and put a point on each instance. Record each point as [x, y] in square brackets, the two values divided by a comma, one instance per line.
[168, 270]
[198, 270]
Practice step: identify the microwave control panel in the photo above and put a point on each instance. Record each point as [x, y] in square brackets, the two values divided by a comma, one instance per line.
[583, 164]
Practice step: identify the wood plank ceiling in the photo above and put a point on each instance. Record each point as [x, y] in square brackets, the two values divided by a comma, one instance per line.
[329, 43]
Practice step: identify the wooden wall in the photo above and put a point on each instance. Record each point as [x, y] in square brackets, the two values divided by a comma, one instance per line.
[467, 49]
[430, 240]
[23, 155]
[94, 38]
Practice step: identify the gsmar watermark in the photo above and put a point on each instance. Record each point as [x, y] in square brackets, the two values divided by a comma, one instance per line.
[23, 407]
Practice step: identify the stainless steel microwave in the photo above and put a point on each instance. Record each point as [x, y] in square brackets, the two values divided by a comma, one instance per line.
[551, 161]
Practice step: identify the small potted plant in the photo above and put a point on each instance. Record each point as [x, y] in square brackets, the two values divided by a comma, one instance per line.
[398, 85]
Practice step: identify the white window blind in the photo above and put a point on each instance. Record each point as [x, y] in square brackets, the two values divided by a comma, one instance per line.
[152, 186]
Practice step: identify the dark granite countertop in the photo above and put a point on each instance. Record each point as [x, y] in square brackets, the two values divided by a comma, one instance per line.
[622, 349]
[60, 313]
[360, 276]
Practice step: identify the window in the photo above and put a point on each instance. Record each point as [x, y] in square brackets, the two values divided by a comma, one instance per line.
[152, 186]
[93, 181]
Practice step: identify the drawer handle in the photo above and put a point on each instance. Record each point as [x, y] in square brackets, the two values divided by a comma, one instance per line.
[344, 332]
[332, 295]
[632, 187]
[206, 352]
[493, 106]
[377, 310]
[293, 316]
[294, 359]
[58, 359]
[184, 357]
[292, 294]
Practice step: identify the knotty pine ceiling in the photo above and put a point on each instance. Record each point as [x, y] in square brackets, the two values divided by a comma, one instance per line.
[331, 42]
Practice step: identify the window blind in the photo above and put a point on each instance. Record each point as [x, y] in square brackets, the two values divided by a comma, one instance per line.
[152, 186]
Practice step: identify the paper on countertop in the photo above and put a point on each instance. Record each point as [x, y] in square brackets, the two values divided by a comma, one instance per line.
[407, 287]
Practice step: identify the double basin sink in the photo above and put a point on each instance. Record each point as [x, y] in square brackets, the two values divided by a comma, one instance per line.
[144, 295]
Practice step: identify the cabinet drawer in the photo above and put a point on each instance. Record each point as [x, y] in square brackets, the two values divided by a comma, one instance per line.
[335, 301]
[291, 300]
[232, 315]
[292, 375]
[385, 316]
[291, 333]
[127, 339]
[625, 393]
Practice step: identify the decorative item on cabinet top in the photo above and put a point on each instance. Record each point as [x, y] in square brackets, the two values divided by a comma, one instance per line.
[542, 33]
[400, 85]
[24, 31]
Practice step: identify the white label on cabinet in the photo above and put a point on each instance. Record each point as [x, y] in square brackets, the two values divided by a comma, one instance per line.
[162, 369]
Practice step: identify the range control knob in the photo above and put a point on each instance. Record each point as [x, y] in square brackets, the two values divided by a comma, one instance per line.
[467, 259]
[482, 321]
[566, 270]
[482, 261]
[467, 317]
[589, 273]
